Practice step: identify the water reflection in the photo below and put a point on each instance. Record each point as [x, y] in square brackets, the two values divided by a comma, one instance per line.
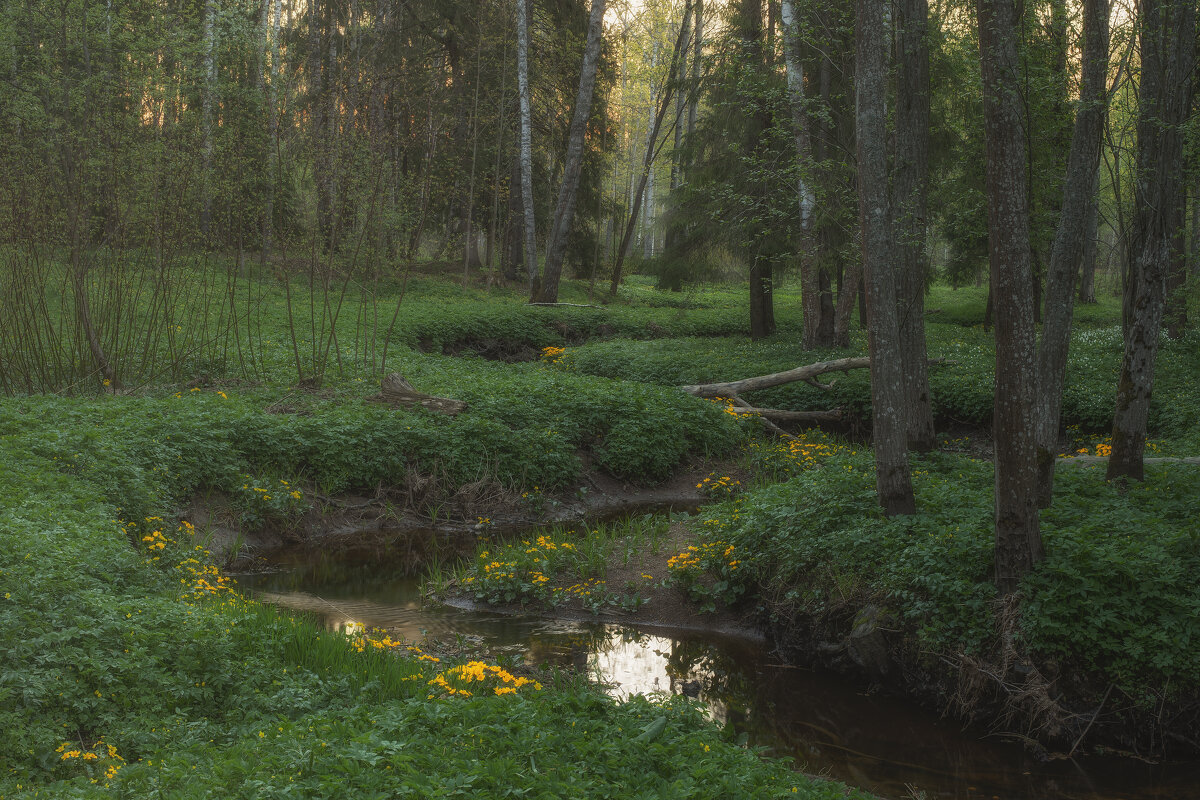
[829, 726]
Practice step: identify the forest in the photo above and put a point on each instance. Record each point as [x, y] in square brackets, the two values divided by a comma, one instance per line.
[600, 398]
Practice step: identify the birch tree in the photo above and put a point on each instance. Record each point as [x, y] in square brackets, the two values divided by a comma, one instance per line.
[526, 146]
[810, 293]
[564, 207]
[207, 114]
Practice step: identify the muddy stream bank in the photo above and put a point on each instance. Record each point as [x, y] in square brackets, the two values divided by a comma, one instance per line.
[829, 725]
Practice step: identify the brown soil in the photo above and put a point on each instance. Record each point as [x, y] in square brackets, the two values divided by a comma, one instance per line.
[392, 520]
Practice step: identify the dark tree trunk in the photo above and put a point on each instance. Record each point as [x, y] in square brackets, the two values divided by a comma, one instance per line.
[1168, 49]
[908, 210]
[1018, 542]
[893, 480]
[1087, 278]
[564, 207]
[762, 305]
[1069, 241]
[512, 253]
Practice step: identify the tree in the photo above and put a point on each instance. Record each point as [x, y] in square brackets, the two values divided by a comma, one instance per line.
[1018, 542]
[653, 147]
[909, 207]
[564, 208]
[526, 157]
[892, 478]
[1075, 223]
[811, 294]
[1168, 54]
[818, 42]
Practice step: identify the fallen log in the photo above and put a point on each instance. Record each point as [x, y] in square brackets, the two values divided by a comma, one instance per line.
[805, 373]
[1091, 460]
[397, 391]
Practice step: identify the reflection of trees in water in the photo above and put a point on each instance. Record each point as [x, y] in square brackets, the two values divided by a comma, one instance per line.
[570, 650]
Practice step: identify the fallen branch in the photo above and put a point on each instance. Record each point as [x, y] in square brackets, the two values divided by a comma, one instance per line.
[807, 372]
[1084, 461]
[571, 305]
[397, 391]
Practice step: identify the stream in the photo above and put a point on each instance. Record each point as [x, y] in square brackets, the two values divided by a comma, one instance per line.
[827, 724]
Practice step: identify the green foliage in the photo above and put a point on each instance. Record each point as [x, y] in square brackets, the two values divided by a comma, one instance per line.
[961, 388]
[1114, 598]
[1117, 590]
[710, 574]
[524, 427]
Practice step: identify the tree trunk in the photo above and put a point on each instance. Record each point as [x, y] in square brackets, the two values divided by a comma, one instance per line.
[893, 480]
[1069, 241]
[909, 210]
[697, 53]
[680, 101]
[811, 295]
[494, 222]
[470, 237]
[1018, 542]
[1167, 50]
[207, 117]
[512, 250]
[273, 54]
[530, 238]
[664, 103]
[762, 305]
[564, 207]
[1087, 279]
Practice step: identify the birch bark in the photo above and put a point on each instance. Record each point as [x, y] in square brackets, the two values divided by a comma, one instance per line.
[526, 149]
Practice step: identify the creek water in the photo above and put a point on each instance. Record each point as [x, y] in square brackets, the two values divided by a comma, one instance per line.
[828, 725]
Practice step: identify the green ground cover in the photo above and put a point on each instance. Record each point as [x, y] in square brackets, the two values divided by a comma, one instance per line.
[1114, 602]
[131, 670]
[962, 388]
[197, 691]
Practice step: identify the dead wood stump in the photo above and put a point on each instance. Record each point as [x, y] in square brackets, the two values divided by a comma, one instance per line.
[396, 391]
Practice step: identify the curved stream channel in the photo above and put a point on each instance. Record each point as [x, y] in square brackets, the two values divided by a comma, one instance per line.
[828, 725]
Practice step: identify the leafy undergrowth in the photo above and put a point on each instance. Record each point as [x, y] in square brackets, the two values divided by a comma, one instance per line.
[561, 566]
[132, 669]
[526, 426]
[961, 388]
[1114, 602]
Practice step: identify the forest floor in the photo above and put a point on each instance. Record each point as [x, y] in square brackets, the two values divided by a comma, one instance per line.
[106, 501]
